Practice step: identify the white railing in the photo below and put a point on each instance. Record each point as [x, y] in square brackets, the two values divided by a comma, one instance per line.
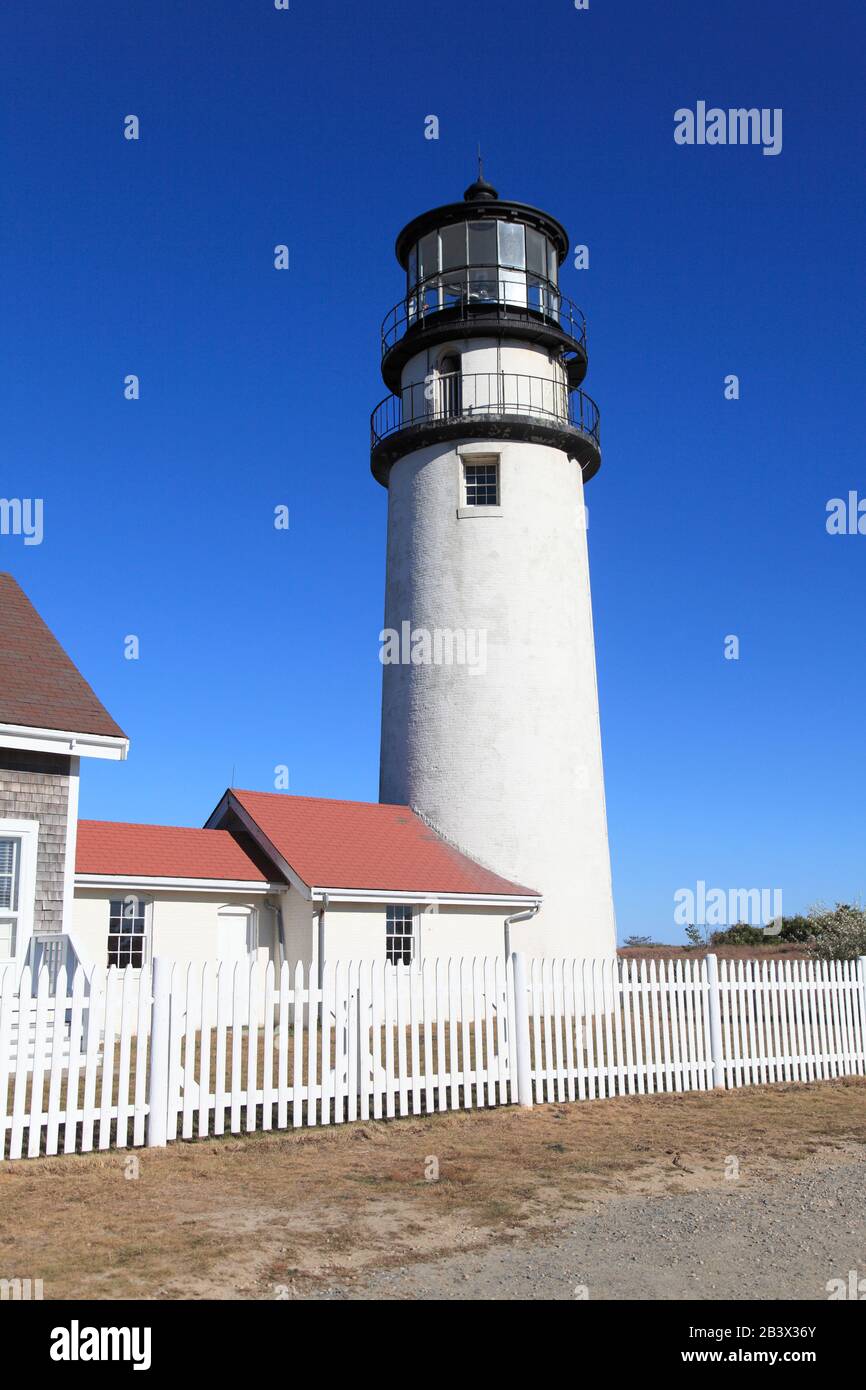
[191, 1051]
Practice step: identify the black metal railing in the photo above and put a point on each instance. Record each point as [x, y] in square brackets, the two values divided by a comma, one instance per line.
[475, 395]
[480, 289]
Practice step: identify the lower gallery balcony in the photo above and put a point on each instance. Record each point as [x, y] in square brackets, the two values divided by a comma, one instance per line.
[485, 405]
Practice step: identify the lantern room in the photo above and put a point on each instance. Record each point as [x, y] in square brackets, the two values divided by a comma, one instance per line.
[483, 265]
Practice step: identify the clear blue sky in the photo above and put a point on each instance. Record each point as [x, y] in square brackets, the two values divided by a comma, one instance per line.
[260, 647]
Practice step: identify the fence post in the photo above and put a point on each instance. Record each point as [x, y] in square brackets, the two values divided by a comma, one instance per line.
[715, 1006]
[861, 976]
[522, 1056]
[160, 1027]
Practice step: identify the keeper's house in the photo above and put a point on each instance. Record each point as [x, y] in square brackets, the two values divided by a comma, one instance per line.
[269, 876]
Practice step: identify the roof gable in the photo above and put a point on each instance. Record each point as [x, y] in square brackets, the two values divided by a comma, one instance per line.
[367, 846]
[40, 687]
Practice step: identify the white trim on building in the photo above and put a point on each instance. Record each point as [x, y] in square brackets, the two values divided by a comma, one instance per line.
[26, 834]
[24, 736]
[189, 885]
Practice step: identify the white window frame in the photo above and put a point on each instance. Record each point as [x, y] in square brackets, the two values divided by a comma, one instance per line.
[414, 914]
[147, 904]
[470, 455]
[27, 834]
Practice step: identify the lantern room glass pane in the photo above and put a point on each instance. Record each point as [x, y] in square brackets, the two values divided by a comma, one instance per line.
[536, 252]
[482, 243]
[552, 263]
[512, 245]
[412, 271]
[453, 246]
[428, 255]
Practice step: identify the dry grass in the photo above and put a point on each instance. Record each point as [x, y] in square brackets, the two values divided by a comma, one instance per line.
[238, 1217]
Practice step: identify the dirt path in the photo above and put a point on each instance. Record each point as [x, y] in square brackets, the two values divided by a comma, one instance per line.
[776, 1240]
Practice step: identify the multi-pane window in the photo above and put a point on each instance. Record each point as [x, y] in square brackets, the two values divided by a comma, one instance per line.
[482, 484]
[486, 243]
[10, 868]
[399, 935]
[127, 927]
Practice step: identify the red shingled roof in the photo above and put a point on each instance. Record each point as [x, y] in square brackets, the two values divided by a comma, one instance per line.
[39, 685]
[166, 851]
[361, 844]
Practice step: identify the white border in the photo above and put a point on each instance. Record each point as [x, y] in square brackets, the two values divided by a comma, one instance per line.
[28, 831]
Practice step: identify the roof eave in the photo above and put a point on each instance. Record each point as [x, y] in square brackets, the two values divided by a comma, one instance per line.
[146, 882]
[64, 741]
[391, 895]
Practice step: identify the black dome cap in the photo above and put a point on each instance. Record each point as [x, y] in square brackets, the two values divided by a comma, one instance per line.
[480, 191]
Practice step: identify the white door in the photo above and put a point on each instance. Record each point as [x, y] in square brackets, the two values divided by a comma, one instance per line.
[232, 937]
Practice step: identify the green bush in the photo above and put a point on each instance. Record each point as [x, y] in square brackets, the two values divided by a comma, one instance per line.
[796, 929]
[741, 935]
[793, 929]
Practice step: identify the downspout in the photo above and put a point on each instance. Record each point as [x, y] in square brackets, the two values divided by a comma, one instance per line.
[320, 970]
[324, 900]
[281, 929]
[281, 935]
[525, 916]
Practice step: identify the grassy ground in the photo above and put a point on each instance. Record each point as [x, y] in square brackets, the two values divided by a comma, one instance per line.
[259, 1215]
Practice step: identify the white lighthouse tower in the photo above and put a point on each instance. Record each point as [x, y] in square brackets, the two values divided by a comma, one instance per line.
[490, 726]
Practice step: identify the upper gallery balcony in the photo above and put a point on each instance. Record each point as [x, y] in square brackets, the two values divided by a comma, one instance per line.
[486, 405]
[484, 299]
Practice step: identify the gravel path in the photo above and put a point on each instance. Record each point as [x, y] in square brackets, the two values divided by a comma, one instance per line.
[773, 1240]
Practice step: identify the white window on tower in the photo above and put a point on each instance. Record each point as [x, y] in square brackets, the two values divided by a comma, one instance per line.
[481, 484]
[127, 932]
[399, 934]
[10, 879]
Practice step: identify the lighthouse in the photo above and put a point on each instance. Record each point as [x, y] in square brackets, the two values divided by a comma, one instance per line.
[490, 721]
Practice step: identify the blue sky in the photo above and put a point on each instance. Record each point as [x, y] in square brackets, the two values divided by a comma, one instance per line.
[306, 127]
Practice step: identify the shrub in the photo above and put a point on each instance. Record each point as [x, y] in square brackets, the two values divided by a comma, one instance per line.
[797, 929]
[696, 938]
[741, 935]
[840, 933]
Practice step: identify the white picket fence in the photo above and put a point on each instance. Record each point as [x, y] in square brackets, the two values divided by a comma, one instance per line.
[602, 1028]
[190, 1051]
